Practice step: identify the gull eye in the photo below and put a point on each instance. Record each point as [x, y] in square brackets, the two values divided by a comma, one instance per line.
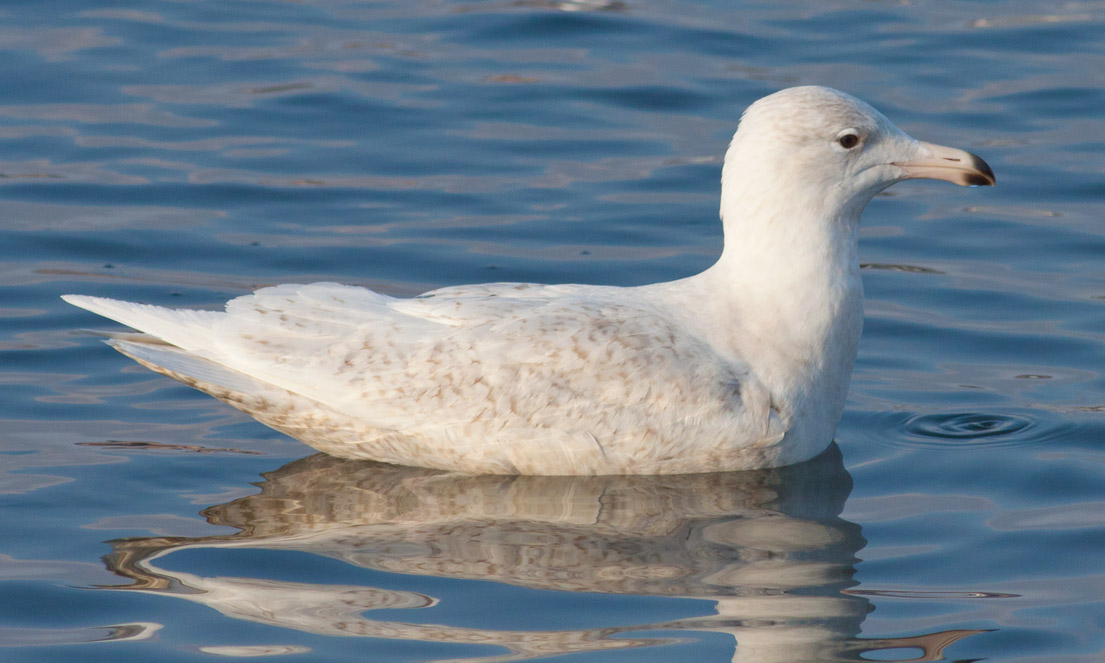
[848, 140]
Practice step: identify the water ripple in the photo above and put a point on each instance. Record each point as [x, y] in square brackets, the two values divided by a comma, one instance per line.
[975, 430]
[978, 427]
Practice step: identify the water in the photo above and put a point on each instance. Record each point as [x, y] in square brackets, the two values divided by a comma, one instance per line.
[183, 153]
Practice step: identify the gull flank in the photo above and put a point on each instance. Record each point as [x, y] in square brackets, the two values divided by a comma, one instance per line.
[745, 365]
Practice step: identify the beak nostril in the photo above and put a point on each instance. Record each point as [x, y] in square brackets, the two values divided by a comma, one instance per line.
[951, 159]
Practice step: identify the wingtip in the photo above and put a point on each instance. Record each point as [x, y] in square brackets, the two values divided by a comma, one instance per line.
[80, 301]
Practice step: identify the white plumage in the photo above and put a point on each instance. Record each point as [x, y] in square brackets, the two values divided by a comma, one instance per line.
[745, 365]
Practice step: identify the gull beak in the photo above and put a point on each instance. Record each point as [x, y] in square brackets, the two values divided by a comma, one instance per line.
[937, 162]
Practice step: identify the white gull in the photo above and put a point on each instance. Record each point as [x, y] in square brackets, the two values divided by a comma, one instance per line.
[745, 365]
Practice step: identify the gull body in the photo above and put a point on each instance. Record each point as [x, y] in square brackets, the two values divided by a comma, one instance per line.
[745, 365]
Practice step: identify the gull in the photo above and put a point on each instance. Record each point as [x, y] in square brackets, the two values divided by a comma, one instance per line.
[745, 365]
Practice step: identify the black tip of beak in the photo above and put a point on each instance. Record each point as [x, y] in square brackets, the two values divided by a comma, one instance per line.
[984, 176]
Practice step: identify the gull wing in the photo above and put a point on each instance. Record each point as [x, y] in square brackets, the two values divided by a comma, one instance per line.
[582, 370]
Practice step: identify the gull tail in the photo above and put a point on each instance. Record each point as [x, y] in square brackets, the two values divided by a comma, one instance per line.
[174, 343]
[223, 383]
[286, 411]
[186, 329]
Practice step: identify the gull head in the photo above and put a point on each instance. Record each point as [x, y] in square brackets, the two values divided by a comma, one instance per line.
[821, 148]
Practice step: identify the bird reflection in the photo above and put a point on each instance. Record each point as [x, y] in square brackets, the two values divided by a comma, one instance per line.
[767, 548]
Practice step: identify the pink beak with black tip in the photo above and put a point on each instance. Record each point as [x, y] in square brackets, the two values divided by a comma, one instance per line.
[949, 164]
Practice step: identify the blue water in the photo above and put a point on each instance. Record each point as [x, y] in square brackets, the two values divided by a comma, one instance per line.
[182, 153]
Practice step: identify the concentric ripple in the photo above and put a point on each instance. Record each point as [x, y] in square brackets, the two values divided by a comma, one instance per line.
[968, 426]
[963, 430]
